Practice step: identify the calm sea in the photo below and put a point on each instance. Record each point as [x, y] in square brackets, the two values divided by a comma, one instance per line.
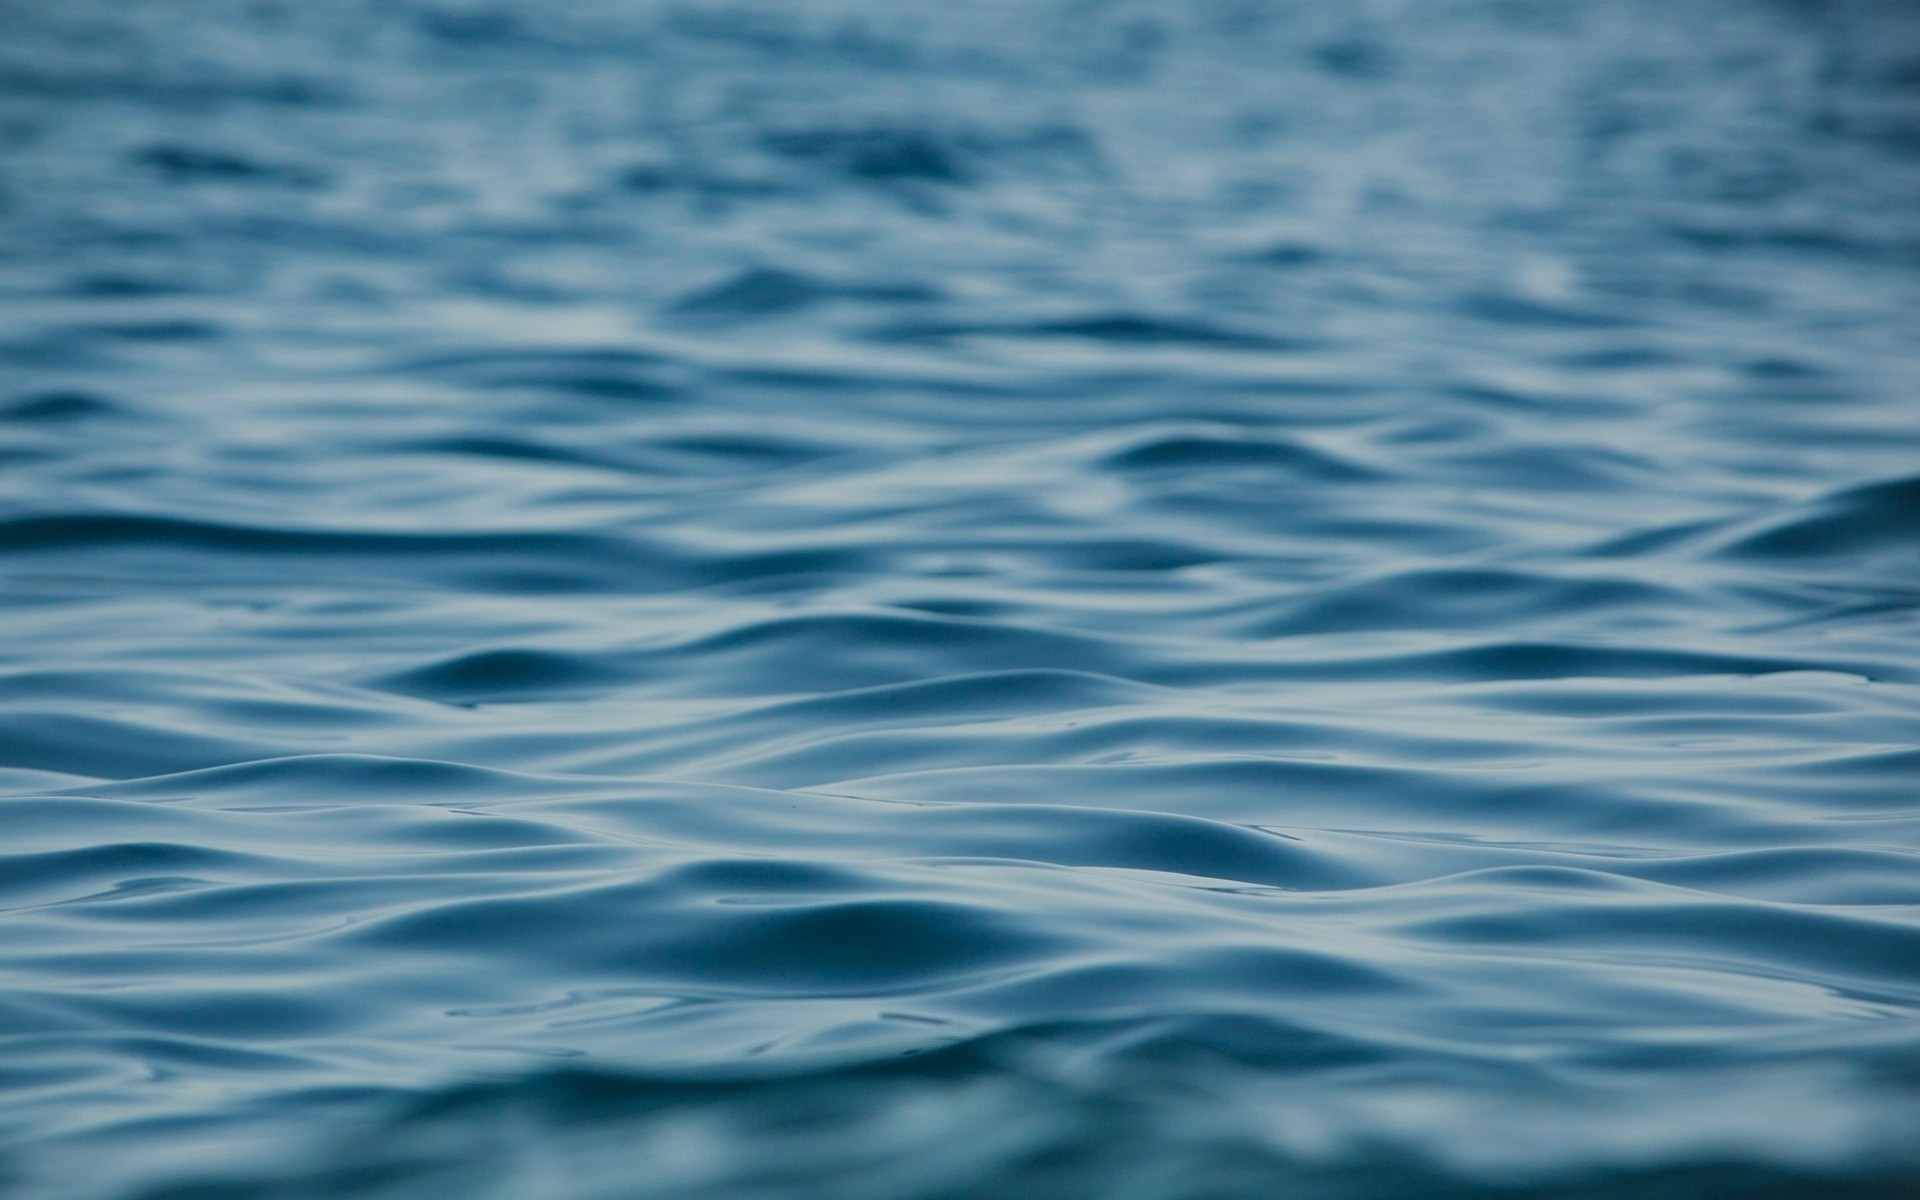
[1007, 600]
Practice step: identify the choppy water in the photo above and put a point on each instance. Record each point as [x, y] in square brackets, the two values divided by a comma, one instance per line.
[892, 600]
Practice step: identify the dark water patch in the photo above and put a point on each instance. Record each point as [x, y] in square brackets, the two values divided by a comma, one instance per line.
[1559, 660]
[972, 696]
[106, 869]
[504, 675]
[157, 331]
[127, 286]
[1289, 255]
[1354, 58]
[850, 946]
[913, 156]
[1207, 449]
[85, 744]
[188, 164]
[1874, 519]
[756, 293]
[836, 651]
[1119, 329]
[473, 27]
[510, 561]
[768, 292]
[747, 450]
[875, 155]
[520, 450]
[1787, 240]
[1469, 599]
[1545, 659]
[647, 179]
[1777, 368]
[669, 933]
[59, 407]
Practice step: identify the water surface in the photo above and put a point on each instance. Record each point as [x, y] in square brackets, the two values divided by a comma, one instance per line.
[899, 601]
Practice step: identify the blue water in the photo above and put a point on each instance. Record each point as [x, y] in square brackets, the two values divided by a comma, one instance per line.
[905, 601]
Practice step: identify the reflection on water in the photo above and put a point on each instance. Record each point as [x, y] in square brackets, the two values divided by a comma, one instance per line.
[1049, 599]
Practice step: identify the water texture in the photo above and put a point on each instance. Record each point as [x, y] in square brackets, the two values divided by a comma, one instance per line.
[909, 601]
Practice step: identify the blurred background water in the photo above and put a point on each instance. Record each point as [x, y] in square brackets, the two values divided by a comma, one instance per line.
[1074, 598]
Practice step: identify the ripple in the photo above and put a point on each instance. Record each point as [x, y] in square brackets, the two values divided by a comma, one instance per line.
[716, 599]
[1875, 519]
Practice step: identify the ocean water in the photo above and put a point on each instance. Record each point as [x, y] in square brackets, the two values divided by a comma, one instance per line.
[1053, 599]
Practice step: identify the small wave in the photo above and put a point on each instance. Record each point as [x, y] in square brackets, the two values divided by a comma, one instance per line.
[1471, 599]
[503, 674]
[1120, 329]
[1875, 519]
[1225, 449]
